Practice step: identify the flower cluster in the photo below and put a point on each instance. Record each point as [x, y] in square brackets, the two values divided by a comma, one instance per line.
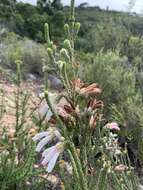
[92, 107]
[85, 90]
[51, 154]
[112, 126]
[111, 140]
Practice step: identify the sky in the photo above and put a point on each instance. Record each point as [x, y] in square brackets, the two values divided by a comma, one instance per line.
[113, 4]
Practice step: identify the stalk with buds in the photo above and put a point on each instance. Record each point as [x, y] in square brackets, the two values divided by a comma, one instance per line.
[77, 124]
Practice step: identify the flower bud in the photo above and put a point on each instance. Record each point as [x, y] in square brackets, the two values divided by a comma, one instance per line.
[64, 54]
[67, 44]
[77, 27]
[18, 62]
[62, 139]
[67, 28]
[46, 93]
[46, 32]
[109, 170]
[92, 121]
[61, 64]
[45, 68]
[78, 151]
[50, 52]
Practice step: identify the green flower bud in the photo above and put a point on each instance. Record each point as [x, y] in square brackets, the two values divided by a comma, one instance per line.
[62, 139]
[67, 28]
[51, 44]
[61, 64]
[64, 54]
[18, 62]
[67, 44]
[50, 52]
[46, 32]
[77, 27]
[18, 65]
[46, 93]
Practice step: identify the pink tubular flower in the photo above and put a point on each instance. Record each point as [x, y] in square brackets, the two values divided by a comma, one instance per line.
[112, 126]
[91, 89]
[83, 89]
[94, 104]
[77, 84]
[62, 112]
[92, 121]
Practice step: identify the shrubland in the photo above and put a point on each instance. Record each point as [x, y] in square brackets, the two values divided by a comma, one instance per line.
[122, 94]
[14, 47]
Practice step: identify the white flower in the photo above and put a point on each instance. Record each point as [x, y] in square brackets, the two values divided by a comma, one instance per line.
[51, 155]
[46, 137]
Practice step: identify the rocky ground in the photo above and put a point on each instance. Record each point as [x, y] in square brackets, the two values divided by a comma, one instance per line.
[7, 99]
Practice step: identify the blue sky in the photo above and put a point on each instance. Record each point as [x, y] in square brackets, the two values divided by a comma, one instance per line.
[113, 4]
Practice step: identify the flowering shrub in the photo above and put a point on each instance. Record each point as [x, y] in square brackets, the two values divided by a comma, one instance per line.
[78, 133]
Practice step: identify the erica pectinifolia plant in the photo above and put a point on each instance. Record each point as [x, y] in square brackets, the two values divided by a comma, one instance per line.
[76, 131]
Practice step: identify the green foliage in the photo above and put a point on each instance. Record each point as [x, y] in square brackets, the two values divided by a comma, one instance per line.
[135, 46]
[107, 35]
[7, 8]
[121, 94]
[31, 53]
[114, 74]
[31, 21]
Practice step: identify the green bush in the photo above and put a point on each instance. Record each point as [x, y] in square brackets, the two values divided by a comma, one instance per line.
[135, 47]
[121, 92]
[114, 74]
[28, 51]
